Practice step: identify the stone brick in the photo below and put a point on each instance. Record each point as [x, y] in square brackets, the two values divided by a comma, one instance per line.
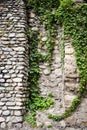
[6, 113]
[3, 125]
[13, 55]
[2, 119]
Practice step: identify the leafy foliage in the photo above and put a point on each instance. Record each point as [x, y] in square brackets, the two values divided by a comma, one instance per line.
[35, 100]
[45, 9]
[74, 20]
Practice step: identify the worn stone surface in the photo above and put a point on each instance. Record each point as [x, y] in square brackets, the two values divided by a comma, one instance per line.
[62, 84]
[13, 62]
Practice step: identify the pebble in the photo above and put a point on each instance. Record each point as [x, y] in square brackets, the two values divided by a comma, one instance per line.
[2, 119]
[19, 49]
[11, 35]
[2, 80]
[6, 113]
[17, 80]
[46, 72]
[44, 39]
[3, 125]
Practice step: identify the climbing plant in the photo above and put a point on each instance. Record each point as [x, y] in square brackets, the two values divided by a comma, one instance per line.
[73, 18]
[35, 100]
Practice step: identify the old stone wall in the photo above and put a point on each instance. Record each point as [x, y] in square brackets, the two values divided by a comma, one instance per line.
[71, 76]
[61, 79]
[13, 62]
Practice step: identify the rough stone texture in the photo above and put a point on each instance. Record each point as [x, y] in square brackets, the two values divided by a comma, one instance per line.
[71, 77]
[13, 62]
[61, 83]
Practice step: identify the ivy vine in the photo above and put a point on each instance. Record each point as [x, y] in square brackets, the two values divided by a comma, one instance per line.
[35, 101]
[73, 18]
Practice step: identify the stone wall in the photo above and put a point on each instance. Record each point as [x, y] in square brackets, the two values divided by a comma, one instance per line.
[78, 119]
[61, 82]
[13, 62]
[71, 76]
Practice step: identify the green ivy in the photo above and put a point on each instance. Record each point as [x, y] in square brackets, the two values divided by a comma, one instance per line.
[35, 100]
[45, 9]
[73, 18]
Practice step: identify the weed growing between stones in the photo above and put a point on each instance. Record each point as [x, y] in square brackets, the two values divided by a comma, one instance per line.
[73, 18]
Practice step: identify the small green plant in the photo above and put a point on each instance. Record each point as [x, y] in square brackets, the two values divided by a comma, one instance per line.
[31, 118]
[49, 126]
[41, 125]
[5, 89]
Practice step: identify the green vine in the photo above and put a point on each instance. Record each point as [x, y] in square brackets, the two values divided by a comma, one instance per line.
[45, 9]
[35, 100]
[46, 13]
[73, 18]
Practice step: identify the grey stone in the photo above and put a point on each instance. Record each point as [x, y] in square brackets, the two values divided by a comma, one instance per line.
[46, 71]
[13, 75]
[2, 103]
[4, 99]
[34, 28]
[17, 119]
[2, 80]
[44, 39]
[0, 75]
[11, 71]
[9, 80]
[1, 95]
[5, 71]
[0, 112]
[17, 113]
[10, 103]
[12, 35]
[32, 15]
[15, 108]
[20, 84]
[6, 113]
[6, 84]
[2, 68]
[9, 15]
[3, 125]
[20, 35]
[19, 49]
[4, 108]
[2, 119]
[17, 79]
[6, 76]
[20, 67]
